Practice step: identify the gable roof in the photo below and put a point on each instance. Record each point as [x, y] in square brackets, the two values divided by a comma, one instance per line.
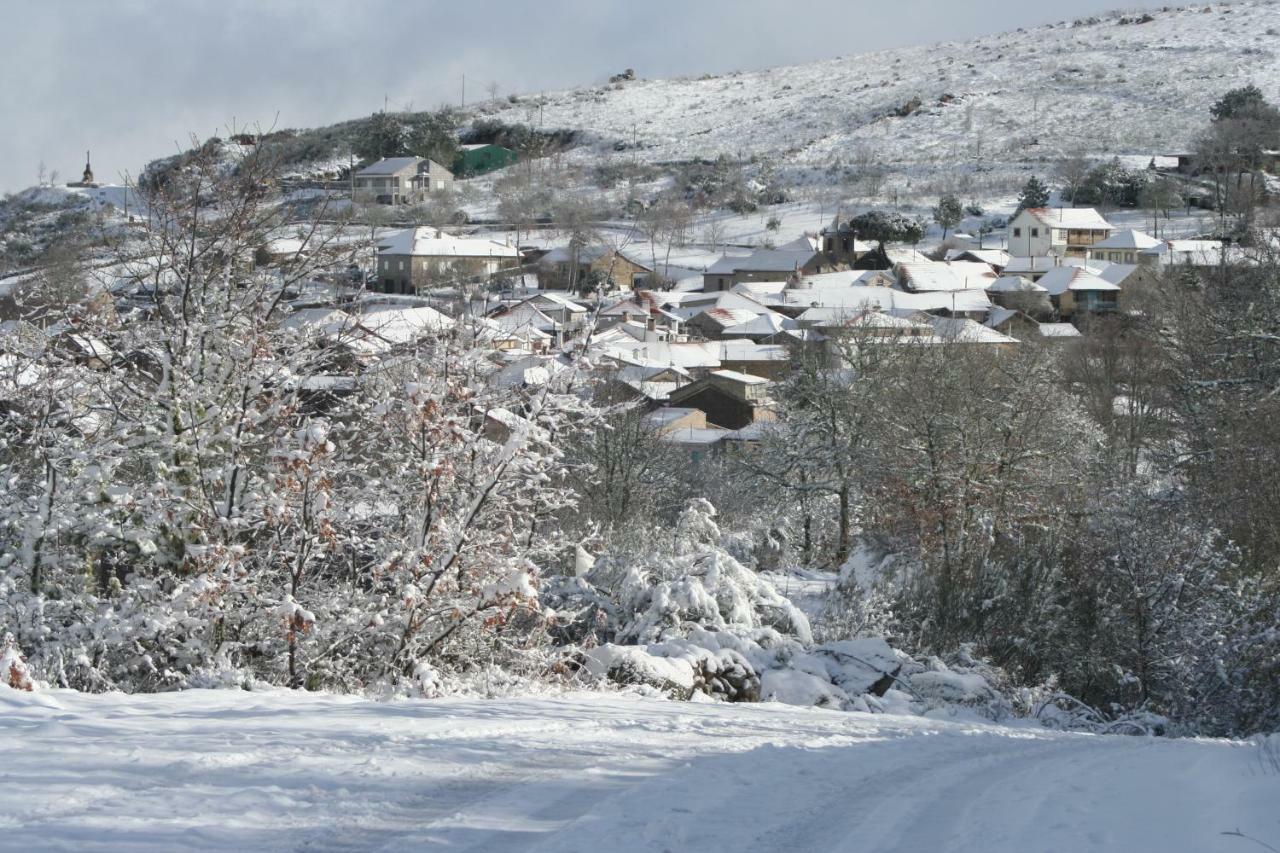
[1014, 284]
[391, 165]
[1062, 279]
[1058, 330]
[726, 317]
[1127, 239]
[1073, 218]
[560, 300]
[433, 243]
[588, 254]
[763, 260]
[944, 277]
[968, 331]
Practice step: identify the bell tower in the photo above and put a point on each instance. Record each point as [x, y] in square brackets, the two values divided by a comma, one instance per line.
[88, 170]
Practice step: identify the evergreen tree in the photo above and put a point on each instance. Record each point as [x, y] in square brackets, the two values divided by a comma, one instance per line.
[948, 213]
[1034, 194]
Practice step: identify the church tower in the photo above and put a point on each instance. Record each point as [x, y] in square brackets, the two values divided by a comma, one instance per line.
[88, 171]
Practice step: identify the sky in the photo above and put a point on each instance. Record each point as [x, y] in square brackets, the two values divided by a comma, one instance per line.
[133, 80]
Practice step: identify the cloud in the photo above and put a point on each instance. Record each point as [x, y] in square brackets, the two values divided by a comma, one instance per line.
[133, 79]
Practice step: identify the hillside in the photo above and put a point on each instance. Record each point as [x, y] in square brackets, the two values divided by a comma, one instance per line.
[1100, 86]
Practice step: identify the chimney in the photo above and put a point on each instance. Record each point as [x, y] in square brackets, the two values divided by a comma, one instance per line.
[651, 331]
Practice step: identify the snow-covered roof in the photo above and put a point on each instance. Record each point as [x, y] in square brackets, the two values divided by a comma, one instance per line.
[403, 325]
[1058, 330]
[768, 323]
[1062, 279]
[1014, 284]
[586, 255]
[725, 317]
[842, 301]
[968, 331]
[321, 320]
[1031, 264]
[941, 277]
[695, 435]
[433, 243]
[741, 378]
[1072, 218]
[669, 415]
[993, 257]
[759, 289]
[1127, 239]
[748, 350]
[389, 166]
[763, 260]
[560, 300]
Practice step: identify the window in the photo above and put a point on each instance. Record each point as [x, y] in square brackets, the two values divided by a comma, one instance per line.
[1128, 257]
[1035, 232]
[844, 245]
[1017, 232]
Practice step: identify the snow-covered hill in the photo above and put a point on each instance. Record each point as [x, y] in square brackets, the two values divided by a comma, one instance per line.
[229, 770]
[1097, 86]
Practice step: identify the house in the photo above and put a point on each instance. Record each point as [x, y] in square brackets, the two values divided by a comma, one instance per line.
[591, 268]
[731, 400]
[400, 180]
[416, 258]
[945, 277]
[1015, 324]
[1125, 247]
[713, 322]
[514, 333]
[868, 324]
[955, 330]
[1039, 231]
[761, 327]
[762, 265]
[1079, 290]
[997, 259]
[569, 314]
[483, 158]
[1018, 325]
[1021, 294]
[771, 361]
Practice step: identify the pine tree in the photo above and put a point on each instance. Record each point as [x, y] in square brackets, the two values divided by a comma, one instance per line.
[948, 213]
[1034, 194]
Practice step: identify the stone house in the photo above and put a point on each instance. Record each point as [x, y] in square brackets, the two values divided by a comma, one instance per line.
[591, 267]
[763, 265]
[416, 258]
[731, 400]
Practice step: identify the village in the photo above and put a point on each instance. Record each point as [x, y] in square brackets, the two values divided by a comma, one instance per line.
[700, 349]
[722, 427]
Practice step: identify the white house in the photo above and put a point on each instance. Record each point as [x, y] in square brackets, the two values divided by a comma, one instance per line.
[1039, 231]
[1125, 247]
[400, 180]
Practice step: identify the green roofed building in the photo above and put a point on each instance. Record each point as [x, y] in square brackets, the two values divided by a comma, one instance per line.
[478, 159]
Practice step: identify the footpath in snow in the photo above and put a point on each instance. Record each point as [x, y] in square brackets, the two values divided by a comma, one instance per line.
[225, 770]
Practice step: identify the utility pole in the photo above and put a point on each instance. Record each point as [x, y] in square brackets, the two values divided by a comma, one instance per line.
[464, 91]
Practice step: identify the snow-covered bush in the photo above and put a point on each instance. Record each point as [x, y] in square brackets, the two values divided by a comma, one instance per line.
[14, 672]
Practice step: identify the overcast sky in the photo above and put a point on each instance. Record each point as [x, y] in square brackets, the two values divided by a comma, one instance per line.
[133, 79]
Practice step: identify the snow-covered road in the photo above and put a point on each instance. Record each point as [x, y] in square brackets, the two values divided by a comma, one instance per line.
[221, 770]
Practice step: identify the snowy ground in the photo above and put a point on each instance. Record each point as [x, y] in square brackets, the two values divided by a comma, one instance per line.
[215, 770]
